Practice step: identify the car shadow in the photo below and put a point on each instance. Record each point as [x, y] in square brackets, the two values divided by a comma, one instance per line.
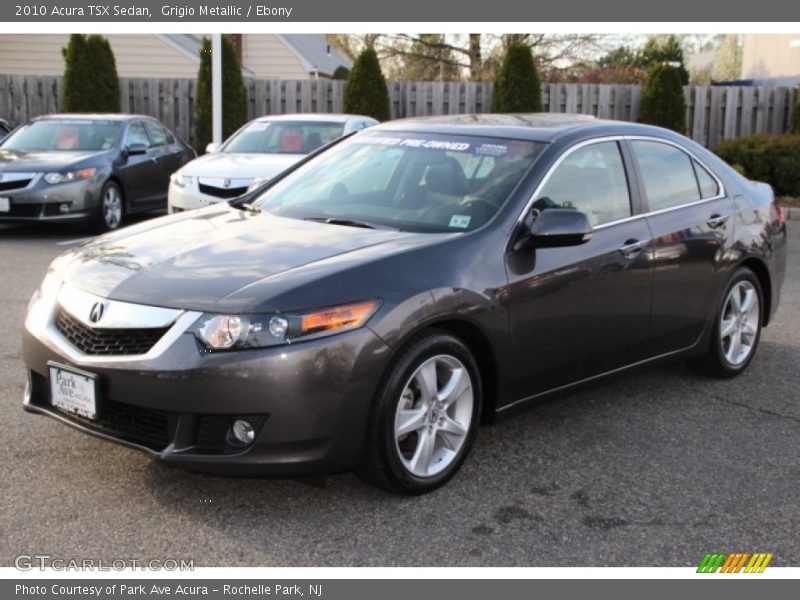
[572, 468]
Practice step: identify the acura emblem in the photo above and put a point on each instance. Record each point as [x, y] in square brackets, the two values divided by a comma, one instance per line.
[97, 312]
[226, 184]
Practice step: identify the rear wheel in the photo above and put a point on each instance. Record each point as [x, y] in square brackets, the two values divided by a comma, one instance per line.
[737, 328]
[111, 210]
[425, 416]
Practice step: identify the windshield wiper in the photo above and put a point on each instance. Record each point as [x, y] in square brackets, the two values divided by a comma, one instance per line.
[249, 208]
[346, 222]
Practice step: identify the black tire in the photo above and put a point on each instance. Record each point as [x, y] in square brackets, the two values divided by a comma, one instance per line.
[716, 362]
[383, 463]
[104, 220]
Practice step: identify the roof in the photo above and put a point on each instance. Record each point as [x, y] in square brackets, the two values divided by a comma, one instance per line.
[536, 127]
[311, 49]
[322, 117]
[93, 116]
[315, 52]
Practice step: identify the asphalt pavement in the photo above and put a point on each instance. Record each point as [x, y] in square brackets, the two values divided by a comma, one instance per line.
[650, 469]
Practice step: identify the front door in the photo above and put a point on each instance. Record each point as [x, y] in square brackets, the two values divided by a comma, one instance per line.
[580, 311]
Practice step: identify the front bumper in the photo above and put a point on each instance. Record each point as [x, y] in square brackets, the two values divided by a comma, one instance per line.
[42, 202]
[309, 401]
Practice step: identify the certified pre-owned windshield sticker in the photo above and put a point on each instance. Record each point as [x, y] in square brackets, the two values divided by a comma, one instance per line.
[416, 143]
[461, 221]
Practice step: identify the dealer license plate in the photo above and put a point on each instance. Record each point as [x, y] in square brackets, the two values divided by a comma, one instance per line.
[5, 204]
[73, 391]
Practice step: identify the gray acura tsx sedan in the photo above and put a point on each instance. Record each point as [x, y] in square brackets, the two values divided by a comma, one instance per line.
[368, 308]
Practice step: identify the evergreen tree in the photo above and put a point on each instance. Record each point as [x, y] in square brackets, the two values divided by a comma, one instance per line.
[663, 103]
[341, 72]
[234, 95]
[366, 92]
[795, 123]
[90, 75]
[517, 88]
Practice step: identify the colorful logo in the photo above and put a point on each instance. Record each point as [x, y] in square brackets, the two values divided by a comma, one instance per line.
[735, 562]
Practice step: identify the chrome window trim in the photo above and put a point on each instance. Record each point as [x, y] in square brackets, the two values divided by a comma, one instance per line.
[619, 138]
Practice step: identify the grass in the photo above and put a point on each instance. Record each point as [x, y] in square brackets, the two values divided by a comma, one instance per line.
[789, 201]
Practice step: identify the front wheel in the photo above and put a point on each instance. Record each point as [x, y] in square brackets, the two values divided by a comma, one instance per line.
[737, 328]
[425, 416]
[111, 209]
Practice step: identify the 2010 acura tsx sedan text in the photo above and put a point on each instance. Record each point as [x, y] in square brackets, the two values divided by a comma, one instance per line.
[368, 308]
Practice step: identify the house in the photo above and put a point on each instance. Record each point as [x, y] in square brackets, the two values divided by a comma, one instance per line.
[771, 59]
[268, 56]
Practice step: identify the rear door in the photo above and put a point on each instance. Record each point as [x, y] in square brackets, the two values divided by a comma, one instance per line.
[580, 311]
[689, 215]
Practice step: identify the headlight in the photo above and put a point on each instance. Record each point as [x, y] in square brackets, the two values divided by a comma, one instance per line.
[53, 178]
[48, 290]
[181, 180]
[223, 332]
[258, 181]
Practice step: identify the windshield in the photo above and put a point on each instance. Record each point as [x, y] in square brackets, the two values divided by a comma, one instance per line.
[409, 181]
[65, 135]
[283, 137]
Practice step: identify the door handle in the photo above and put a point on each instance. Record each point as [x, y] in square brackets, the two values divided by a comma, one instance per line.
[716, 220]
[632, 247]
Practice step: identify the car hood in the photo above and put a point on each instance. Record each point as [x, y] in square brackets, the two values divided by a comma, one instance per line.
[232, 165]
[197, 260]
[34, 161]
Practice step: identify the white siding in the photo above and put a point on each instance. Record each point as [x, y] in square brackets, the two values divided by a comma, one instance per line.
[136, 56]
[266, 56]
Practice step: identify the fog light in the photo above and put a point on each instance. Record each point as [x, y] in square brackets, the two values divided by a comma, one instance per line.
[243, 432]
[63, 207]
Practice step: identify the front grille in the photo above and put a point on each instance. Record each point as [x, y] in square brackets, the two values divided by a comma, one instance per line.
[6, 186]
[211, 190]
[107, 342]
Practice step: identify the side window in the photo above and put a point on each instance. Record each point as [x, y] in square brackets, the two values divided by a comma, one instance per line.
[137, 134]
[591, 179]
[708, 185]
[668, 175]
[159, 135]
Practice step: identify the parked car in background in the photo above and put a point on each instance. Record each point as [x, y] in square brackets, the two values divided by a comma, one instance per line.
[367, 308]
[254, 154]
[5, 129]
[87, 168]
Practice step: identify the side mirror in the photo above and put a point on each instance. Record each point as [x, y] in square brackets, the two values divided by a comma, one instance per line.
[553, 228]
[134, 149]
[212, 148]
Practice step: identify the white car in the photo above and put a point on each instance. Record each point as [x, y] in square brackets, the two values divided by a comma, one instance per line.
[253, 155]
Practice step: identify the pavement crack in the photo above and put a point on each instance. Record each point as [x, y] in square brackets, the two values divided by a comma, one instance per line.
[764, 411]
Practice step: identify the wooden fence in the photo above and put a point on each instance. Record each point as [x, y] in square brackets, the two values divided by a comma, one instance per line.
[713, 113]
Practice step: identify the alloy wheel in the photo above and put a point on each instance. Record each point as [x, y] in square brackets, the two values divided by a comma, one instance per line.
[739, 323]
[434, 415]
[112, 207]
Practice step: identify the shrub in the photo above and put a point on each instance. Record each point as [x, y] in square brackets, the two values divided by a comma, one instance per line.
[366, 92]
[663, 103]
[795, 123]
[341, 72]
[234, 95]
[517, 88]
[774, 159]
[90, 75]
